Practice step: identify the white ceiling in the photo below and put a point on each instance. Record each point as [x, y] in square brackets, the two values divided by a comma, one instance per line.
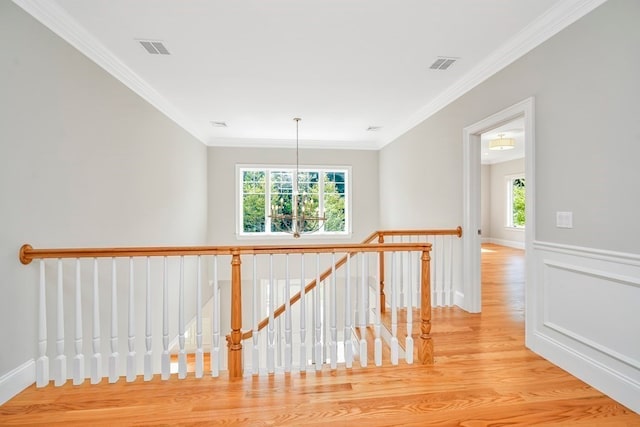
[341, 65]
[513, 129]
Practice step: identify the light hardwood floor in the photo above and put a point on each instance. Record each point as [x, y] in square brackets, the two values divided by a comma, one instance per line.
[483, 375]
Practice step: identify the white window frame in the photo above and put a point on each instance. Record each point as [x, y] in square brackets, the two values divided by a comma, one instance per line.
[241, 234]
[509, 196]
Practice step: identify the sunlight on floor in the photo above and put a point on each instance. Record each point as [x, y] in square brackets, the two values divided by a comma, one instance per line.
[486, 250]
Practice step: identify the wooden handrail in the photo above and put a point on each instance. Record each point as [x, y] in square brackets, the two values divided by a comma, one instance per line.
[28, 253]
[436, 232]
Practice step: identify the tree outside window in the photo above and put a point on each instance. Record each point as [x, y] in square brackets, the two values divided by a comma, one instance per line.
[516, 201]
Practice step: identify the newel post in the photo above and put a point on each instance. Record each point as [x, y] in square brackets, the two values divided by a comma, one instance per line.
[234, 340]
[425, 351]
[383, 300]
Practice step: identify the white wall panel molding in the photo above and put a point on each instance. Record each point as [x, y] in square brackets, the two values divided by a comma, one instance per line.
[585, 306]
[599, 254]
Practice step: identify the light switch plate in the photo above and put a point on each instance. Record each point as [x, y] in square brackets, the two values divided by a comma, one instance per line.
[564, 219]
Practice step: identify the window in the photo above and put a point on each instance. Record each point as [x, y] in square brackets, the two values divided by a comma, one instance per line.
[515, 201]
[327, 190]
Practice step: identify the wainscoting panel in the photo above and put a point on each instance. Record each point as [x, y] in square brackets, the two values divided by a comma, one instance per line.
[587, 316]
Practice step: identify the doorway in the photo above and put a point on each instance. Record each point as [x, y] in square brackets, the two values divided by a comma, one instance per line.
[470, 297]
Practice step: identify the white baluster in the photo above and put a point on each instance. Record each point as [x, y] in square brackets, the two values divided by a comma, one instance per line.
[401, 283]
[131, 356]
[96, 358]
[270, 328]
[394, 311]
[255, 362]
[114, 356]
[410, 284]
[287, 320]
[409, 340]
[378, 317]
[435, 256]
[148, 355]
[182, 354]
[60, 366]
[42, 365]
[199, 371]
[317, 323]
[303, 320]
[78, 359]
[363, 311]
[348, 345]
[333, 308]
[450, 284]
[165, 360]
[215, 342]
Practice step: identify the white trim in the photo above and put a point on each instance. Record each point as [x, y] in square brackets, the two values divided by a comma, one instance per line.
[507, 243]
[267, 235]
[16, 380]
[560, 16]
[598, 375]
[581, 251]
[471, 281]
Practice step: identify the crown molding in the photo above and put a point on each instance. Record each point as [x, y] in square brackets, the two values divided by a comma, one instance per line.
[52, 16]
[546, 26]
[291, 143]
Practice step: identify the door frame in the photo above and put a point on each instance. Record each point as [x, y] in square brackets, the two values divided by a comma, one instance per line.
[470, 296]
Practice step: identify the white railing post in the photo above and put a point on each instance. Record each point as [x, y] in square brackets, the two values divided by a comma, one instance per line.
[215, 319]
[131, 356]
[42, 365]
[270, 327]
[148, 337]
[255, 361]
[317, 323]
[408, 344]
[165, 361]
[96, 358]
[114, 356]
[78, 359]
[394, 310]
[377, 325]
[303, 320]
[60, 371]
[288, 356]
[333, 308]
[199, 370]
[182, 354]
[363, 310]
[348, 344]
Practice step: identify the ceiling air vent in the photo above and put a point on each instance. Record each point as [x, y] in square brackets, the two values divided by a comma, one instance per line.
[219, 124]
[374, 128]
[154, 47]
[442, 63]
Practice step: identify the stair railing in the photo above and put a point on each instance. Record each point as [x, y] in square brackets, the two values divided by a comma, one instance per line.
[178, 260]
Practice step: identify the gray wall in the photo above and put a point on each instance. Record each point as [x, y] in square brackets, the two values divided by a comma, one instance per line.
[494, 202]
[222, 190]
[83, 162]
[586, 133]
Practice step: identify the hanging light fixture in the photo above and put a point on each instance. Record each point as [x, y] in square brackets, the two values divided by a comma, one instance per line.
[301, 217]
[502, 143]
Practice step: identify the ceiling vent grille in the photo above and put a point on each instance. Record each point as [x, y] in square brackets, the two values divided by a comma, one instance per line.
[442, 63]
[154, 47]
[219, 124]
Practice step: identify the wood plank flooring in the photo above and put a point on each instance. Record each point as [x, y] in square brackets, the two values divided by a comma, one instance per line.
[483, 375]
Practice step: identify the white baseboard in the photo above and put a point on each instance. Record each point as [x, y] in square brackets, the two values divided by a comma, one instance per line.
[598, 375]
[507, 243]
[16, 380]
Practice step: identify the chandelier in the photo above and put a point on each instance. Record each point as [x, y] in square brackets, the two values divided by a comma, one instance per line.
[301, 217]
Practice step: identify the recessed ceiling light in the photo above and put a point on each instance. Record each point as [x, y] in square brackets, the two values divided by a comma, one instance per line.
[374, 128]
[219, 124]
